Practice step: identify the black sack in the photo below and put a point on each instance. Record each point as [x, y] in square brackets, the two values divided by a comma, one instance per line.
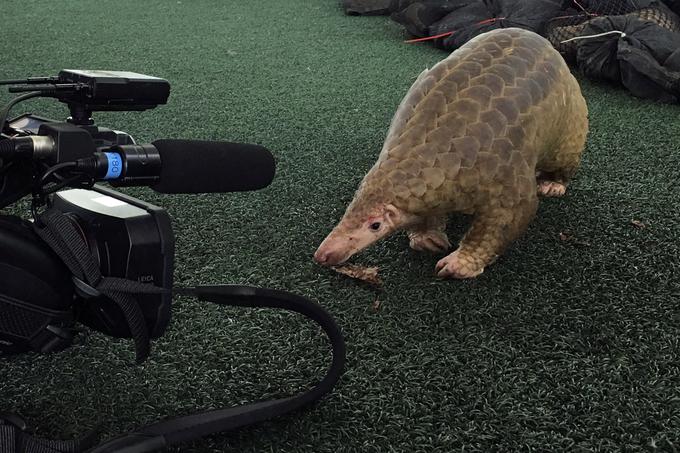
[366, 7]
[419, 18]
[646, 61]
[465, 19]
[674, 5]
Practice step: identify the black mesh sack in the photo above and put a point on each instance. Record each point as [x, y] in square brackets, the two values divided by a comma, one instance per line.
[646, 60]
[571, 22]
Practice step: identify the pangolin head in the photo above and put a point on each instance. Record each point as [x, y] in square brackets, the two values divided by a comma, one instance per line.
[372, 215]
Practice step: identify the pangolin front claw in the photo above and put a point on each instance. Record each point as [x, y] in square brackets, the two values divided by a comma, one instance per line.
[457, 266]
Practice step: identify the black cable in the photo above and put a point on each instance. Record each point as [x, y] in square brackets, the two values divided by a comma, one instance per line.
[41, 191]
[16, 100]
[50, 171]
[65, 183]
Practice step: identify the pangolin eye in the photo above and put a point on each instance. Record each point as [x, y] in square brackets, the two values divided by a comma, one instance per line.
[375, 226]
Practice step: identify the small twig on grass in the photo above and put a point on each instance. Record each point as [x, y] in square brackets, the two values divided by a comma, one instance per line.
[568, 237]
[638, 224]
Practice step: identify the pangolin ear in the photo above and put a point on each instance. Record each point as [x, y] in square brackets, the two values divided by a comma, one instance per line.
[392, 214]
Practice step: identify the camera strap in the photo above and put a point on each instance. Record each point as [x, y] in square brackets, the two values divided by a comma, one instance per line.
[14, 438]
[61, 235]
[167, 433]
[55, 229]
[183, 429]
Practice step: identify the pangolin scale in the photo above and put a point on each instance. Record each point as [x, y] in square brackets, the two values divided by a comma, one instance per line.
[483, 132]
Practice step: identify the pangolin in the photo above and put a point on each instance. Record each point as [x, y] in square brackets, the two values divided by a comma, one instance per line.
[483, 132]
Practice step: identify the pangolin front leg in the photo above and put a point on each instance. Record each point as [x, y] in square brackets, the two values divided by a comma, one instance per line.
[492, 230]
[429, 235]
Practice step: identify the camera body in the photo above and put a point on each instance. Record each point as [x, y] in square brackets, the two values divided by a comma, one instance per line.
[129, 239]
[40, 303]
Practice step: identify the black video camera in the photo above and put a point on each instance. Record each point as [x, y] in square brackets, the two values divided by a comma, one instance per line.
[41, 298]
[95, 256]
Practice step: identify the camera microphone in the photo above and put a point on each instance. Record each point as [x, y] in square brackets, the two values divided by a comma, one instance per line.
[184, 166]
[196, 166]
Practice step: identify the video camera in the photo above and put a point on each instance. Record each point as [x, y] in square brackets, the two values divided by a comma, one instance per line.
[41, 299]
[95, 256]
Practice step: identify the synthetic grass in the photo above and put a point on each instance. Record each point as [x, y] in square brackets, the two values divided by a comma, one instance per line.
[563, 345]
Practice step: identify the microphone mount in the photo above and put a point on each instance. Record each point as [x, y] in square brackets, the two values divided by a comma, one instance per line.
[79, 115]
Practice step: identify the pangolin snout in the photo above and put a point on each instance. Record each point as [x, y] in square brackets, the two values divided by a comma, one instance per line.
[334, 250]
[328, 257]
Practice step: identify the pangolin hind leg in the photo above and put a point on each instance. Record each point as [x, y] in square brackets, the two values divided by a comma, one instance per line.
[550, 185]
[559, 165]
[429, 235]
[561, 168]
[492, 230]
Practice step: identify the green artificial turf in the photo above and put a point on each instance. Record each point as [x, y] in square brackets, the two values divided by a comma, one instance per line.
[563, 345]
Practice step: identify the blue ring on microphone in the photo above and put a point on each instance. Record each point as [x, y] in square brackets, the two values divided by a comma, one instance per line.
[115, 168]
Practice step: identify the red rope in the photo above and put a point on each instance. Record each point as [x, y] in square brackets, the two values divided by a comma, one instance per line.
[427, 38]
[449, 33]
[489, 21]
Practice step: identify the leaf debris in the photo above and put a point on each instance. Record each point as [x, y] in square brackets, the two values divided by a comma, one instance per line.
[638, 224]
[363, 273]
[568, 237]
